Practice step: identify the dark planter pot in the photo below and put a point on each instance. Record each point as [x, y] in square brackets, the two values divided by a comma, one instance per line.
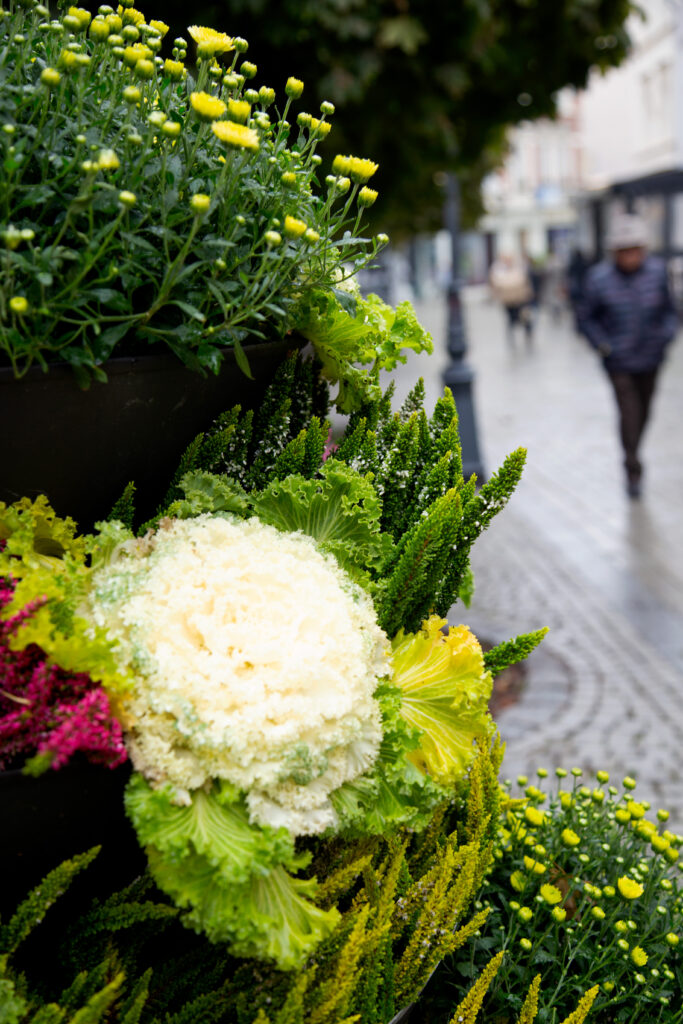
[81, 448]
[62, 813]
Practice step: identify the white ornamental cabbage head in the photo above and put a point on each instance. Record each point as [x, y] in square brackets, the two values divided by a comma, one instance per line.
[256, 659]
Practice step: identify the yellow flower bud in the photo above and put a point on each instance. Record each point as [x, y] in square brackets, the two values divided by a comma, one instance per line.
[294, 228]
[127, 198]
[18, 304]
[294, 88]
[200, 203]
[239, 110]
[50, 77]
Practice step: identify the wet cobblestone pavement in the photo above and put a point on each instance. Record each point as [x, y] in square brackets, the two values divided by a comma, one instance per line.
[573, 552]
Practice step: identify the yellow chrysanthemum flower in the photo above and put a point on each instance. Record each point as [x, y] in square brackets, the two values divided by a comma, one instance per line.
[160, 26]
[559, 913]
[210, 42]
[534, 816]
[518, 881]
[629, 888]
[206, 106]
[636, 809]
[138, 51]
[131, 16]
[534, 865]
[551, 894]
[639, 956]
[238, 110]
[322, 128]
[357, 168]
[237, 135]
[294, 228]
[175, 69]
[108, 160]
[570, 838]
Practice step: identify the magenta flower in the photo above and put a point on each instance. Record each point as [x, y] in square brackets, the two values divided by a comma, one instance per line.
[46, 710]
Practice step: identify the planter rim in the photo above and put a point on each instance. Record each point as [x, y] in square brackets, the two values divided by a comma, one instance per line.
[145, 363]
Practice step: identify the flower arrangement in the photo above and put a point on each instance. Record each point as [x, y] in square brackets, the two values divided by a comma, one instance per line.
[273, 648]
[143, 206]
[586, 891]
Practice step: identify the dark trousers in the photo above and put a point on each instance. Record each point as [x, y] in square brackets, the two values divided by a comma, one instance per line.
[634, 393]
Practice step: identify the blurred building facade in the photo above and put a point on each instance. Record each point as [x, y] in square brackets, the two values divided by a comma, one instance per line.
[617, 145]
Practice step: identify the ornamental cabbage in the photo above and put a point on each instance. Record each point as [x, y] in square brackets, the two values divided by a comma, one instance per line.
[255, 658]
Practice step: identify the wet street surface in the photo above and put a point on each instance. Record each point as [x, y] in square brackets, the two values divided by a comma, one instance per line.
[573, 552]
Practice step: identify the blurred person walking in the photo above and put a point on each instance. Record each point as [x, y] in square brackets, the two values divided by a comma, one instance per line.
[511, 286]
[627, 314]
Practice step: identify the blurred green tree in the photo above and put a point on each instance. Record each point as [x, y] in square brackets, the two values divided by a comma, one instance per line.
[421, 86]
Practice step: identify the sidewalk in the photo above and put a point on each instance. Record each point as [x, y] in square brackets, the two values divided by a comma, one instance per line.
[572, 552]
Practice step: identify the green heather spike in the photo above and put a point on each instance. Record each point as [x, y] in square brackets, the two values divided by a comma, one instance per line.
[188, 462]
[396, 478]
[290, 460]
[316, 440]
[350, 445]
[425, 452]
[131, 1010]
[415, 400]
[449, 441]
[49, 1014]
[270, 410]
[443, 414]
[213, 449]
[267, 444]
[387, 433]
[236, 459]
[434, 486]
[123, 510]
[512, 651]
[416, 574]
[229, 418]
[368, 461]
[301, 394]
[97, 1006]
[31, 911]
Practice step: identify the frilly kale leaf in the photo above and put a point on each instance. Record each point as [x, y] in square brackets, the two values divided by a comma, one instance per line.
[46, 558]
[396, 792]
[445, 693]
[230, 876]
[206, 492]
[376, 333]
[341, 511]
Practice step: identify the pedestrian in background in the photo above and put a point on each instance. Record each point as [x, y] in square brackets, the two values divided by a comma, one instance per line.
[511, 286]
[628, 316]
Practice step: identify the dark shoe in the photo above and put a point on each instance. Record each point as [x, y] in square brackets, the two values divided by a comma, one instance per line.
[633, 488]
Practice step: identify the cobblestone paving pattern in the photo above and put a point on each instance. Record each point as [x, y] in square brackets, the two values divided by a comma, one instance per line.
[605, 690]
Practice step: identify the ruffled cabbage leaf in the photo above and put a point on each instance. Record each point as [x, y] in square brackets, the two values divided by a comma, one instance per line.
[397, 792]
[340, 510]
[46, 559]
[445, 693]
[375, 333]
[230, 877]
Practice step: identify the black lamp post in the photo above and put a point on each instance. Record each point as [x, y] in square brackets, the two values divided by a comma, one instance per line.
[458, 376]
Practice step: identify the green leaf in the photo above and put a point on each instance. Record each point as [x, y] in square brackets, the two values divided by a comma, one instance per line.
[241, 359]
[341, 511]
[228, 875]
[206, 492]
[445, 692]
[188, 308]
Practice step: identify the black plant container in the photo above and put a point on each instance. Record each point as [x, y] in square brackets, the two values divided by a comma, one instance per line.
[81, 448]
[51, 818]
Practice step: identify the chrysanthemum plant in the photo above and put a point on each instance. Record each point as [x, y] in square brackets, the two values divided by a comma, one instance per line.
[274, 646]
[141, 205]
[586, 891]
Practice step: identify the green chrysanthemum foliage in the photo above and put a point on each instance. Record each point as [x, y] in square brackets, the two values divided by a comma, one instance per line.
[47, 561]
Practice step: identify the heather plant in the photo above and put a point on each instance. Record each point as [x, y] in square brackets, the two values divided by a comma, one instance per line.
[48, 714]
[406, 900]
[142, 205]
[585, 891]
